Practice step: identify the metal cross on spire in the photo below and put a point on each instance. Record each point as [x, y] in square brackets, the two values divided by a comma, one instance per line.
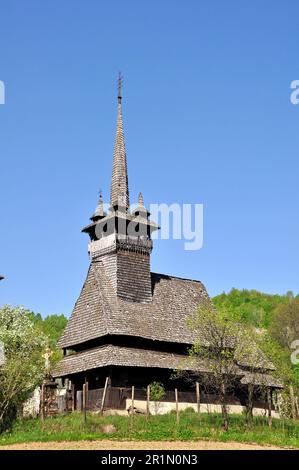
[119, 86]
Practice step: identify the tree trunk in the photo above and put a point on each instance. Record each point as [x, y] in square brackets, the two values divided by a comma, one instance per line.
[293, 403]
[249, 408]
[224, 407]
[225, 416]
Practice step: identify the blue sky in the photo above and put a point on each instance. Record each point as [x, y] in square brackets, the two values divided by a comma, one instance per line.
[207, 117]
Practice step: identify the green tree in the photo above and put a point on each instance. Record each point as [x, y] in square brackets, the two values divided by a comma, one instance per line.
[157, 394]
[250, 306]
[221, 345]
[52, 325]
[284, 327]
[276, 319]
[23, 366]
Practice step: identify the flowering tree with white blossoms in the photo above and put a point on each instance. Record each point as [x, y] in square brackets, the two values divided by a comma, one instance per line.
[22, 365]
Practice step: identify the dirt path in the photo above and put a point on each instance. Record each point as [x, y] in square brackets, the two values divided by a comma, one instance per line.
[135, 445]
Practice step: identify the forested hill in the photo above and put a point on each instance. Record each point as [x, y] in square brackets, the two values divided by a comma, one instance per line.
[251, 306]
[52, 326]
[276, 316]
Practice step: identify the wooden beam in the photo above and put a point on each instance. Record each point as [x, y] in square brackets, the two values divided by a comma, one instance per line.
[104, 395]
[148, 391]
[86, 392]
[73, 397]
[177, 405]
[198, 397]
[84, 403]
[133, 398]
[269, 400]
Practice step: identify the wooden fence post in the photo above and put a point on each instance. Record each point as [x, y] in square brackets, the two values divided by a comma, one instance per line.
[293, 403]
[177, 405]
[198, 397]
[148, 400]
[269, 400]
[42, 403]
[104, 395]
[84, 402]
[133, 397]
[86, 393]
[73, 397]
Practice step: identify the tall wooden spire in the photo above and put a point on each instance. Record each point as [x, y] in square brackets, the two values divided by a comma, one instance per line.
[121, 240]
[119, 195]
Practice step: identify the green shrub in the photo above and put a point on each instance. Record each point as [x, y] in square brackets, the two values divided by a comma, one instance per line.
[157, 391]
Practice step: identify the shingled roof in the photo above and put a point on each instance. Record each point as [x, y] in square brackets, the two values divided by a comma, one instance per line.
[119, 183]
[109, 355]
[261, 380]
[99, 312]
[112, 355]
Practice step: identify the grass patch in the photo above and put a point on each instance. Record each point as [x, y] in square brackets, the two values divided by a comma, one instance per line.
[70, 427]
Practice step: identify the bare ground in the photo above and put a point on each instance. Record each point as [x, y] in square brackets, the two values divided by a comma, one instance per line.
[136, 445]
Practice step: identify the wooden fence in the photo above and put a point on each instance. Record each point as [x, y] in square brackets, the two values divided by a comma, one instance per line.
[116, 398]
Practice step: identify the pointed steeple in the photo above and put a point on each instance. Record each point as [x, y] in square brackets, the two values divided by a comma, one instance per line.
[140, 200]
[100, 209]
[121, 241]
[119, 195]
[140, 210]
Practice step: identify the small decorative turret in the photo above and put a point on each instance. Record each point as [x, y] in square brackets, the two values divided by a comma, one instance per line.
[140, 210]
[99, 213]
[140, 200]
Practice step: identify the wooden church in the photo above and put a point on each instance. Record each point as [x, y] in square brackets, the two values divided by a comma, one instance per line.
[128, 324]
